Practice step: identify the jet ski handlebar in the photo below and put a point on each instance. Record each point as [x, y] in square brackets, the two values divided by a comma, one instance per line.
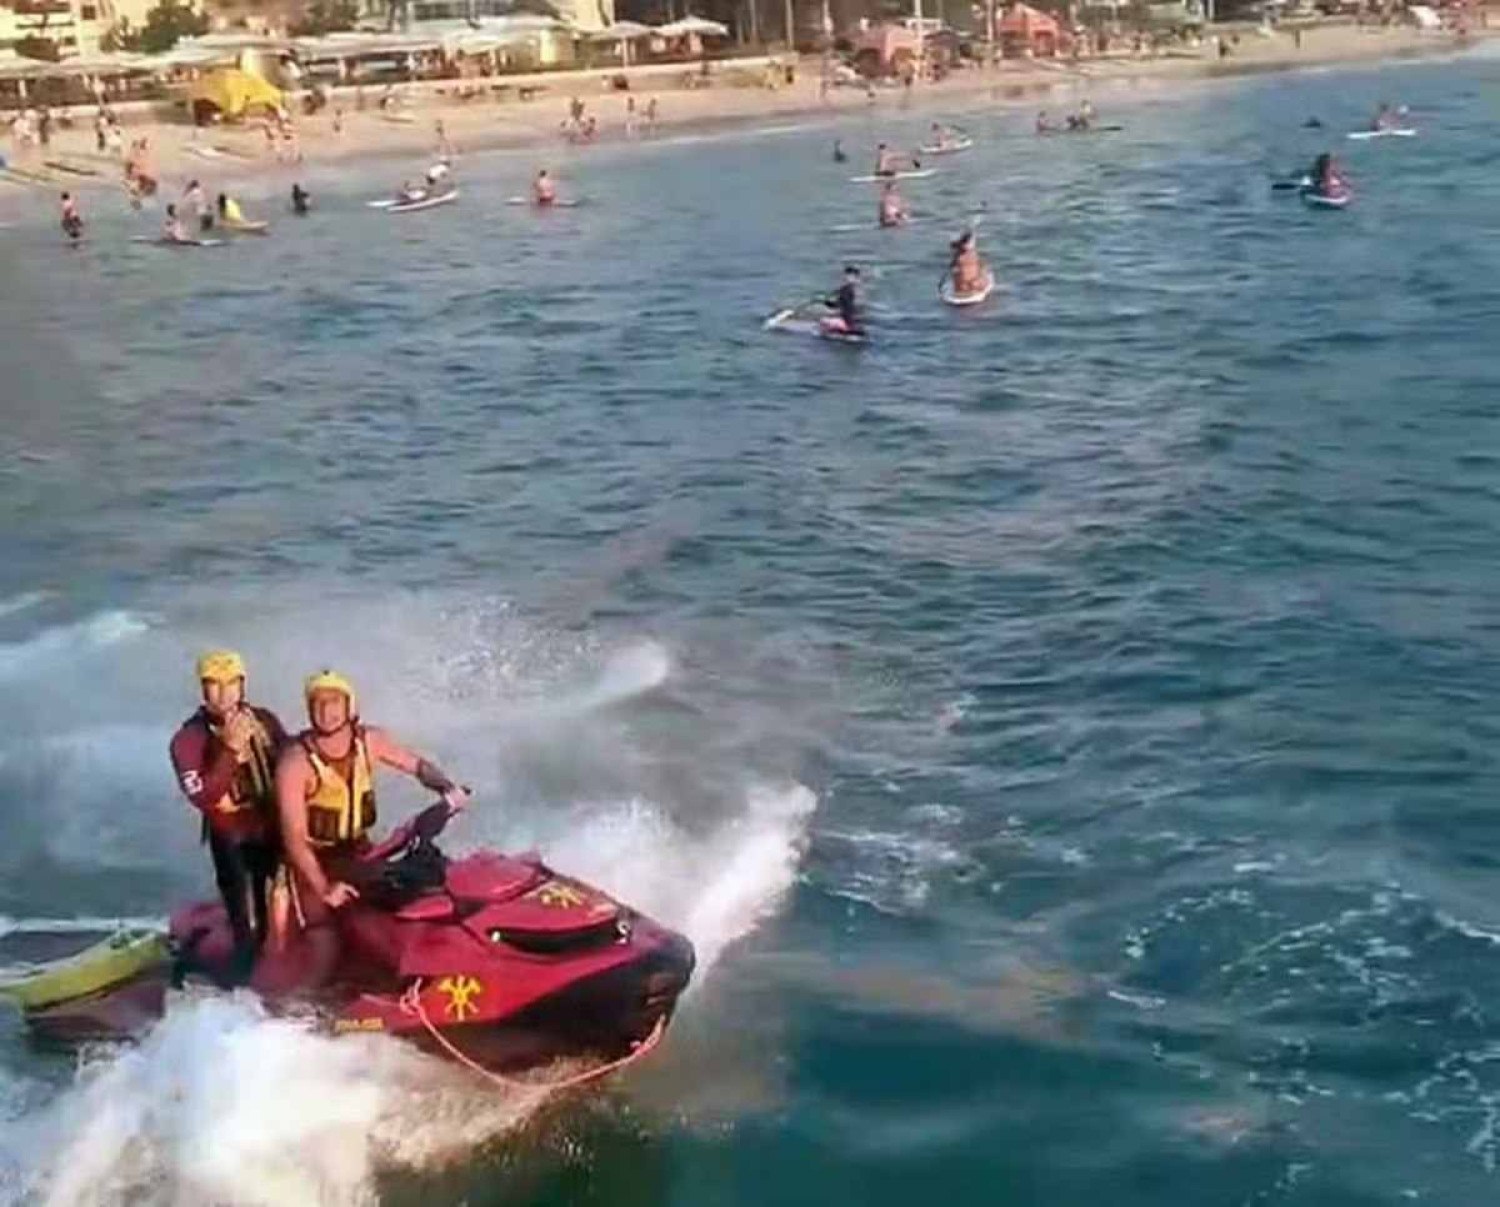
[420, 829]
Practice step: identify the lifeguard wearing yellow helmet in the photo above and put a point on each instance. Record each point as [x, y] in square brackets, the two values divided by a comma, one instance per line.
[328, 682]
[220, 666]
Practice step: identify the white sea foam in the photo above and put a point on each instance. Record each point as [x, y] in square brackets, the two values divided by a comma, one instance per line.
[669, 816]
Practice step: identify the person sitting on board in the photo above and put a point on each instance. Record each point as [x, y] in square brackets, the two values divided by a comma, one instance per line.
[1384, 118]
[1326, 178]
[72, 220]
[845, 300]
[885, 161]
[892, 208]
[410, 192]
[543, 190]
[1084, 118]
[942, 137]
[224, 756]
[438, 177]
[229, 210]
[325, 800]
[967, 268]
[171, 227]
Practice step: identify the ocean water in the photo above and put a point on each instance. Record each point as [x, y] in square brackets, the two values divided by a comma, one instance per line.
[1063, 727]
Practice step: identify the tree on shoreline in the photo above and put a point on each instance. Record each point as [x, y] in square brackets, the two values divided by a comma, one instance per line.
[33, 47]
[166, 24]
[326, 17]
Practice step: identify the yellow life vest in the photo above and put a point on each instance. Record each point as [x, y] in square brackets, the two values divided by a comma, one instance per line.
[341, 805]
[254, 783]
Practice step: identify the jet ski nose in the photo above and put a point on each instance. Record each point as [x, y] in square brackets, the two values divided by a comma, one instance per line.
[670, 971]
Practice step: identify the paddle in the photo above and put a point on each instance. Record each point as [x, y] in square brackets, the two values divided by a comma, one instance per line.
[953, 259]
[787, 312]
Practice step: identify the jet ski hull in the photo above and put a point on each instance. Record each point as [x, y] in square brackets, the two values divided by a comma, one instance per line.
[507, 966]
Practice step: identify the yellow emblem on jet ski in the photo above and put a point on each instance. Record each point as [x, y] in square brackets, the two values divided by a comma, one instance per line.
[461, 991]
[558, 894]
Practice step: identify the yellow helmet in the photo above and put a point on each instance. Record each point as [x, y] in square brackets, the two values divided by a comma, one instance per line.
[330, 681]
[220, 666]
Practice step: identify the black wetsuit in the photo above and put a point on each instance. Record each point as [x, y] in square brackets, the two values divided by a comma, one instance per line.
[846, 302]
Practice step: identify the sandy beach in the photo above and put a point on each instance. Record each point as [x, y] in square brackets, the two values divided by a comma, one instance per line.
[739, 94]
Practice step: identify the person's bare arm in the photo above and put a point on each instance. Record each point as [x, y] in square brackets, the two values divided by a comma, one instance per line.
[385, 749]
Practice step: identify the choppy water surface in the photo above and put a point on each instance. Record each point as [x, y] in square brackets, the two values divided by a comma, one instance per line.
[1064, 728]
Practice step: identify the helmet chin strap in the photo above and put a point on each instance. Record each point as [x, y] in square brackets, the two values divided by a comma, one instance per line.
[323, 732]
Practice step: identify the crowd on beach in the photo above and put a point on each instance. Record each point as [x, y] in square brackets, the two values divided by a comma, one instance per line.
[50, 146]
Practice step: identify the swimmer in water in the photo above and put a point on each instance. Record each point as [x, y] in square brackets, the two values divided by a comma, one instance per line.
[892, 208]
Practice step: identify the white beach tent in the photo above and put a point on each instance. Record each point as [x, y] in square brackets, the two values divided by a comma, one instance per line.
[623, 33]
[691, 26]
[1423, 17]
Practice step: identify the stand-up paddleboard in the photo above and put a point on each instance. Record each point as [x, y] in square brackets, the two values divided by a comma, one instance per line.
[1391, 132]
[799, 323]
[58, 165]
[162, 241]
[1326, 201]
[911, 174]
[1080, 130]
[1291, 185]
[945, 291]
[425, 203]
[245, 227]
[30, 176]
[849, 228]
[569, 203]
[953, 148]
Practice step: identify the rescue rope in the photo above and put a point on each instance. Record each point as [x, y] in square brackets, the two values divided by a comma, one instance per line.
[411, 1003]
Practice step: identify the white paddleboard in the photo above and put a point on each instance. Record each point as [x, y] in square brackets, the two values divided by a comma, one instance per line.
[427, 203]
[160, 241]
[1393, 132]
[953, 148]
[1322, 201]
[799, 324]
[914, 174]
[968, 299]
[569, 203]
[849, 228]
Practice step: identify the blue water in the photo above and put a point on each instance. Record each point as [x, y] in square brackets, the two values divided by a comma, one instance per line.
[1063, 726]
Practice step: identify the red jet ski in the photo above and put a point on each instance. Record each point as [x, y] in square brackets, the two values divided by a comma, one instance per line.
[493, 960]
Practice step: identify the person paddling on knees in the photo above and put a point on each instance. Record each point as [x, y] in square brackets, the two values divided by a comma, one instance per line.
[967, 268]
[225, 759]
[892, 210]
